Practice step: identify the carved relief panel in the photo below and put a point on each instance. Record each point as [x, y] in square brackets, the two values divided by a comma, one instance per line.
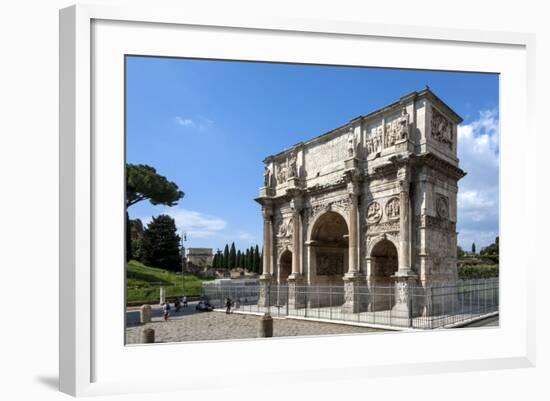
[442, 207]
[373, 143]
[442, 128]
[374, 212]
[392, 208]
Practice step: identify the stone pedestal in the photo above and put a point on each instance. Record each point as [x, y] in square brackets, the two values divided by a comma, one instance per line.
[403, 307]
[354, 301]
[162, 296]
[145, 314]
[296, 291]
[264, 299]
[265, 328]
[147, 336]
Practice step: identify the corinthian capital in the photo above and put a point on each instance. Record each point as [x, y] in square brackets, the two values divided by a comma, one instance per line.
[296, 204]
[267, 212]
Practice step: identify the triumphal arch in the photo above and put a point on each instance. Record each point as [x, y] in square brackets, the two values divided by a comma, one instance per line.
[371, 202]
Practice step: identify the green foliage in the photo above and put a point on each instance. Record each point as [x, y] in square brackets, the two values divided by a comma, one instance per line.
[143, 182]
[160, 244]
[128, 241]
[257, 260]
[460, 252]
[143, 283]
[136, 230]
[239, 262]
[225, 259]
[232, 257]
[216, 261]
[477, 271]
[491, 250]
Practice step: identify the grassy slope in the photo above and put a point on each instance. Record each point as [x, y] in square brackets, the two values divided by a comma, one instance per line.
[143, 283]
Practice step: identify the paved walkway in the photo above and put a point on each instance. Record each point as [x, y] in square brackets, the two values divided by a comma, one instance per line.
[207, 326]
[489, 322]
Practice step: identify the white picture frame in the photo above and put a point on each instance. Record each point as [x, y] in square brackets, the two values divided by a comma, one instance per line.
[93, 359]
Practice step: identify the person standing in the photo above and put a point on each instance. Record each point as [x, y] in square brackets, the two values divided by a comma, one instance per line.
[165, 310]
[185, 301]
[227, 305]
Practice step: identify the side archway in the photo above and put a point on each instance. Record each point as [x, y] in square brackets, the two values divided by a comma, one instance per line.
[285, 266]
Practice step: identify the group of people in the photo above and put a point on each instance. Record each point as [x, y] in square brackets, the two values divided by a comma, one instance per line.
[178, 303]
[182, 301]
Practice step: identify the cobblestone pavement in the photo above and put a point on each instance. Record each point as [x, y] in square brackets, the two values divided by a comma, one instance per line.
[219, 326]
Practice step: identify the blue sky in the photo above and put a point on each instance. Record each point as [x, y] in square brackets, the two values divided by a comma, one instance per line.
[207, 125]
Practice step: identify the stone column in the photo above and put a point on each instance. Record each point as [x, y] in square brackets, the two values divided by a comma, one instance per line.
[354, 301]
[353, 267]
[265, 278]
[405, 278]
[404, 227]
[296, 296]
[296, 206]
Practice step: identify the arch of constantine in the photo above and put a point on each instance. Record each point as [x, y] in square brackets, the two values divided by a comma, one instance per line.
[372, 202]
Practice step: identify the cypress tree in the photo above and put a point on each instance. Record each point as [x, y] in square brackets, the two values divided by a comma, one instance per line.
[239, 263]
[225, 260]
[247, 259]
[215, 261]
[232, 256]
[473, 247]
[257, 260]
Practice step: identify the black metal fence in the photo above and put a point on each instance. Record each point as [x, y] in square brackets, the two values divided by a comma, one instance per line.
[419, 306]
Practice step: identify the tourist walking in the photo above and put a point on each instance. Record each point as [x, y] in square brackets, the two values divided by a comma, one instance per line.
[177, 304]
[185, 301]
[228, 305]
[165, 311]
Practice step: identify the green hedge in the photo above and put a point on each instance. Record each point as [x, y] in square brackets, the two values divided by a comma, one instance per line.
[478, 271]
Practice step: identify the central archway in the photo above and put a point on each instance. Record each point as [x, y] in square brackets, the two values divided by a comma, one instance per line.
[328, 246]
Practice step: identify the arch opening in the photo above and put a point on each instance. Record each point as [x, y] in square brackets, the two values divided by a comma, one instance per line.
[329, 249]
[384, 259]
[285, 266]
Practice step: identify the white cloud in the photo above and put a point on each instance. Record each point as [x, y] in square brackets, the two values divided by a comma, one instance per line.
[195, 224]
[204, 230]
[474, 199]
[478, 196]
[201, 123]
[185, 122]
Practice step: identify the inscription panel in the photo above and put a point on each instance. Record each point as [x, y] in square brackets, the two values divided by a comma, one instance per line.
[320, 156]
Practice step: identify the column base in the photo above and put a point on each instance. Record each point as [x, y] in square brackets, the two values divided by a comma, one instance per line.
[355, 301]
[296, 291]
[404, 305]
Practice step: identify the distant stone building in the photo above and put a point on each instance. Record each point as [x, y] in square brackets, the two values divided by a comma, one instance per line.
[199, 257]
[371, 202]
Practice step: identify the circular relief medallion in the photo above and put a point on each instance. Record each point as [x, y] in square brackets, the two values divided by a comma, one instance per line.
[442, 207]
[374, 212]
[392, 208]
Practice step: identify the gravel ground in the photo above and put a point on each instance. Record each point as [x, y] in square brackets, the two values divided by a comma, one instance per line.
[220, 326]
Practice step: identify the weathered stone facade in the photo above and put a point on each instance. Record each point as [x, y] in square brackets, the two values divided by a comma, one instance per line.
[199, 257]
[371, 202]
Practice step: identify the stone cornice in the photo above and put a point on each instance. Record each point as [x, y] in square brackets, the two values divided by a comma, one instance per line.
[441, 165]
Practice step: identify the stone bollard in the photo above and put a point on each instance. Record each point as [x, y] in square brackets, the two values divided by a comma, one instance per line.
[162, 296]
[266, 326]
[147, 336]
[145, 314]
